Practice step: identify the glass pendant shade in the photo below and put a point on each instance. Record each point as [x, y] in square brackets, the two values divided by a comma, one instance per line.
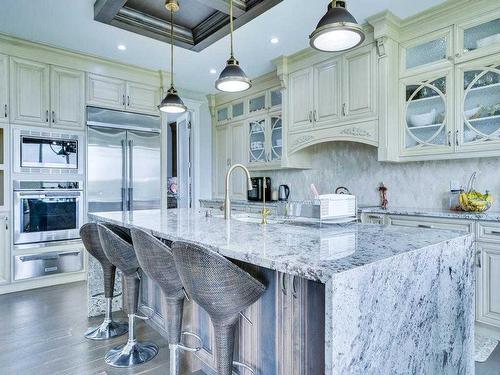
[232, 78]
[337, 31]
[172, 103]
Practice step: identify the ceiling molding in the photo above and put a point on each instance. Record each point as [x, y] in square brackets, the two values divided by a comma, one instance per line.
[239, 7]
[106, 10]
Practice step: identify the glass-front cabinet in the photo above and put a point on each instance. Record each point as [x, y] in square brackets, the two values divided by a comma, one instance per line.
[478, 37]
[479, 105]
[426, 114]
[425, 53]
[265, 140]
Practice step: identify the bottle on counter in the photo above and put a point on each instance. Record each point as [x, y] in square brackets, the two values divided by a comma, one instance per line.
[455, 199]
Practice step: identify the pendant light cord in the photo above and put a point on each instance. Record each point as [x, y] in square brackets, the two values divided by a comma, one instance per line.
[231, 25]
[171, 48]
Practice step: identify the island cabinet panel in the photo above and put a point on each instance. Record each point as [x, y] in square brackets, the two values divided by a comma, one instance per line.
[488, 284]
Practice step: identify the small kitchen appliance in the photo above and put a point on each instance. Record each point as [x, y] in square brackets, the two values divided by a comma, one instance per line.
[257, 192]
[283, 193]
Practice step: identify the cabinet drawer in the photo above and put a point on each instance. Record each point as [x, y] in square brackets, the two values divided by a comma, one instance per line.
[488, 231]
[432, 223]
[35, 265]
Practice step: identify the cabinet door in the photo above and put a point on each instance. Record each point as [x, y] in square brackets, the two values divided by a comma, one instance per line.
[326, 93]
[359, 97]
[257, 141]
[301, 90]
[222, 114]
[105, 92]
[257, 103]
[237, 110]
[479, 107]
[222, 160]
[426, 116]
[4, 88]
[29, 92]
[4, 250]
[478, 37]
[67, 92]
[142, 98]
[488, 279]
[237, 144]
[275, 137]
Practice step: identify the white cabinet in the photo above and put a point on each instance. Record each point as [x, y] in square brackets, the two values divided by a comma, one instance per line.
[265, 141]
[29, 92]
[327, 92]
[359, 83]
[115, 93]
[301, 99]
[4, 88]
[4, 250]
[478, 37]
[488, 287]
[142, 98]
[222, 161]
[67, 93]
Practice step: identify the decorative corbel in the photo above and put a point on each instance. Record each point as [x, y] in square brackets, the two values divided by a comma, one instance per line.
[381, 46]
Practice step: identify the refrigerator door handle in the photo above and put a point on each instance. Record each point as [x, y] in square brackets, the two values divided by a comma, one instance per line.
[124, 175]
[130, 175]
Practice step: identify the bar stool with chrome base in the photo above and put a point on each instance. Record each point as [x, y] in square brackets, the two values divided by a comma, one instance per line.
[108, 328]
[157, 262]
[121, 253]
[222, 289]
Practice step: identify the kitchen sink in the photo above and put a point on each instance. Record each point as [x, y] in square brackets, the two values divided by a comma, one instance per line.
[249, 218]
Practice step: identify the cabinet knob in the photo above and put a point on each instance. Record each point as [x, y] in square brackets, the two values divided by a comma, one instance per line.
[53, 116]
[128, 100]
[457, 134]
[478, 259]
[310, 116]
[123, 99]
[47, 115]
[315, 115]
[449, 138]
[5, 111]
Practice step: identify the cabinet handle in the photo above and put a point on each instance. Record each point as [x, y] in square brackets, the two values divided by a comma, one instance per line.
[374, 217]
[310, 116]
[283, 286]
[495, 232]
[128, 100]
[6, 223]
[5, 111]
[123, 99]
[315, 115]
[478, 259]
[424, 226]
[457, 134]
[228, 162]
[47, 115]
[294, 289]
[53, 116]
[343, 110]
[449, 138]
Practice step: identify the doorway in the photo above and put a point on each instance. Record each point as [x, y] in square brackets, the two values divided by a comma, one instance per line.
[179, 181]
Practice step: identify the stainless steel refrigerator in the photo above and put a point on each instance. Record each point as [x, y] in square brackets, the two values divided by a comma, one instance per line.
[123, 160]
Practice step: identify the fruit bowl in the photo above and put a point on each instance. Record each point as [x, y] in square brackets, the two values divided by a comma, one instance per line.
[474, 201]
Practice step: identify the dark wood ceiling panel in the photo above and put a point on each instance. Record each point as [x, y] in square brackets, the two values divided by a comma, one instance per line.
[197, 25]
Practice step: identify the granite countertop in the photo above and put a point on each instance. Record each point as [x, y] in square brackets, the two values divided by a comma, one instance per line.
[433, 212]
[310, 251]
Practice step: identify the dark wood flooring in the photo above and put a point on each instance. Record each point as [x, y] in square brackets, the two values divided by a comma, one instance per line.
[41, 333]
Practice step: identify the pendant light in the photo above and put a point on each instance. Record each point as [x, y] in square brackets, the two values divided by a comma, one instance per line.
[172, 103]
[337, 30]
[232, 78]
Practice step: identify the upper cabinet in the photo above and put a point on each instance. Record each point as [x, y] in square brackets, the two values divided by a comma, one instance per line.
[114, 93]
[301, 99]
[29, 92]
[265, 140]
[4, 88]
[478, 37]
[67, 94]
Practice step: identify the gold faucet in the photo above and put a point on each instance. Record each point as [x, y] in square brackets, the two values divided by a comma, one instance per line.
[265, 211]
[227, 201]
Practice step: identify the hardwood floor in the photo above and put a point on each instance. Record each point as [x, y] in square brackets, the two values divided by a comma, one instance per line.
[41, 333]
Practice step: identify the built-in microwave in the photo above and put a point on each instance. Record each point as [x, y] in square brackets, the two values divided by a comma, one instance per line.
[40, 152]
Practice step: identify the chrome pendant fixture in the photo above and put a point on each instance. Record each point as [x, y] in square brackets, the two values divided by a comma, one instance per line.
[337, 31]
[172, 103]
[232, 78]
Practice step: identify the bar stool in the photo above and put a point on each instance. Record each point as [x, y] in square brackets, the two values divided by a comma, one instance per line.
[108, 328]
[157, 262]
[222, 289]
[118, 249]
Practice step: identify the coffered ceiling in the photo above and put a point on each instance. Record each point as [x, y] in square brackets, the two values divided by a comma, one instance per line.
[197, 24]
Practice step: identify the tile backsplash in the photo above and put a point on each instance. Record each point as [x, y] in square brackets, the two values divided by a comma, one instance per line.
[416, 184]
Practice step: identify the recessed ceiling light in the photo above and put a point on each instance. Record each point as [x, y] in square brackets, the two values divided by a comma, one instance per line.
[212, 71]
[275, 40]
[122, 47]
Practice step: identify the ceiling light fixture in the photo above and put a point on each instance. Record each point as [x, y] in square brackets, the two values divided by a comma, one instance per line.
[275, 40]
[337, 31]
[122, 47]
[212, 71]
[232, 78]
[172, 103]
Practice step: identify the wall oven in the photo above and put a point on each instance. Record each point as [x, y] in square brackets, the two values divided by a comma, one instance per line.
[47, 211]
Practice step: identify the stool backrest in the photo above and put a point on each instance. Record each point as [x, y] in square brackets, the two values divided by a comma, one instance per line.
[220, 287]
[118, 250]
[157, 262]
[92, 242]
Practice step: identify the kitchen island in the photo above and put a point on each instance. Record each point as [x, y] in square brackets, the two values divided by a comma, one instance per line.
[341, 299]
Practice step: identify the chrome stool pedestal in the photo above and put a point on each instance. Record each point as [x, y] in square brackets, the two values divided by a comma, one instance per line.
[108, 328]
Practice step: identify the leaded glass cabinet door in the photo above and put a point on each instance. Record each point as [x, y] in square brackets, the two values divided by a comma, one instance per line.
[276, 137]
[478, 37]
[480, 105]
[425, 115]
[257, 141]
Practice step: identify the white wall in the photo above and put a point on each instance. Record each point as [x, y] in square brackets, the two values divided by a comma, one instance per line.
[416, 184]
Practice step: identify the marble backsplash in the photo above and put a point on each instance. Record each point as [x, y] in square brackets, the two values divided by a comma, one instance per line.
[416, 184]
